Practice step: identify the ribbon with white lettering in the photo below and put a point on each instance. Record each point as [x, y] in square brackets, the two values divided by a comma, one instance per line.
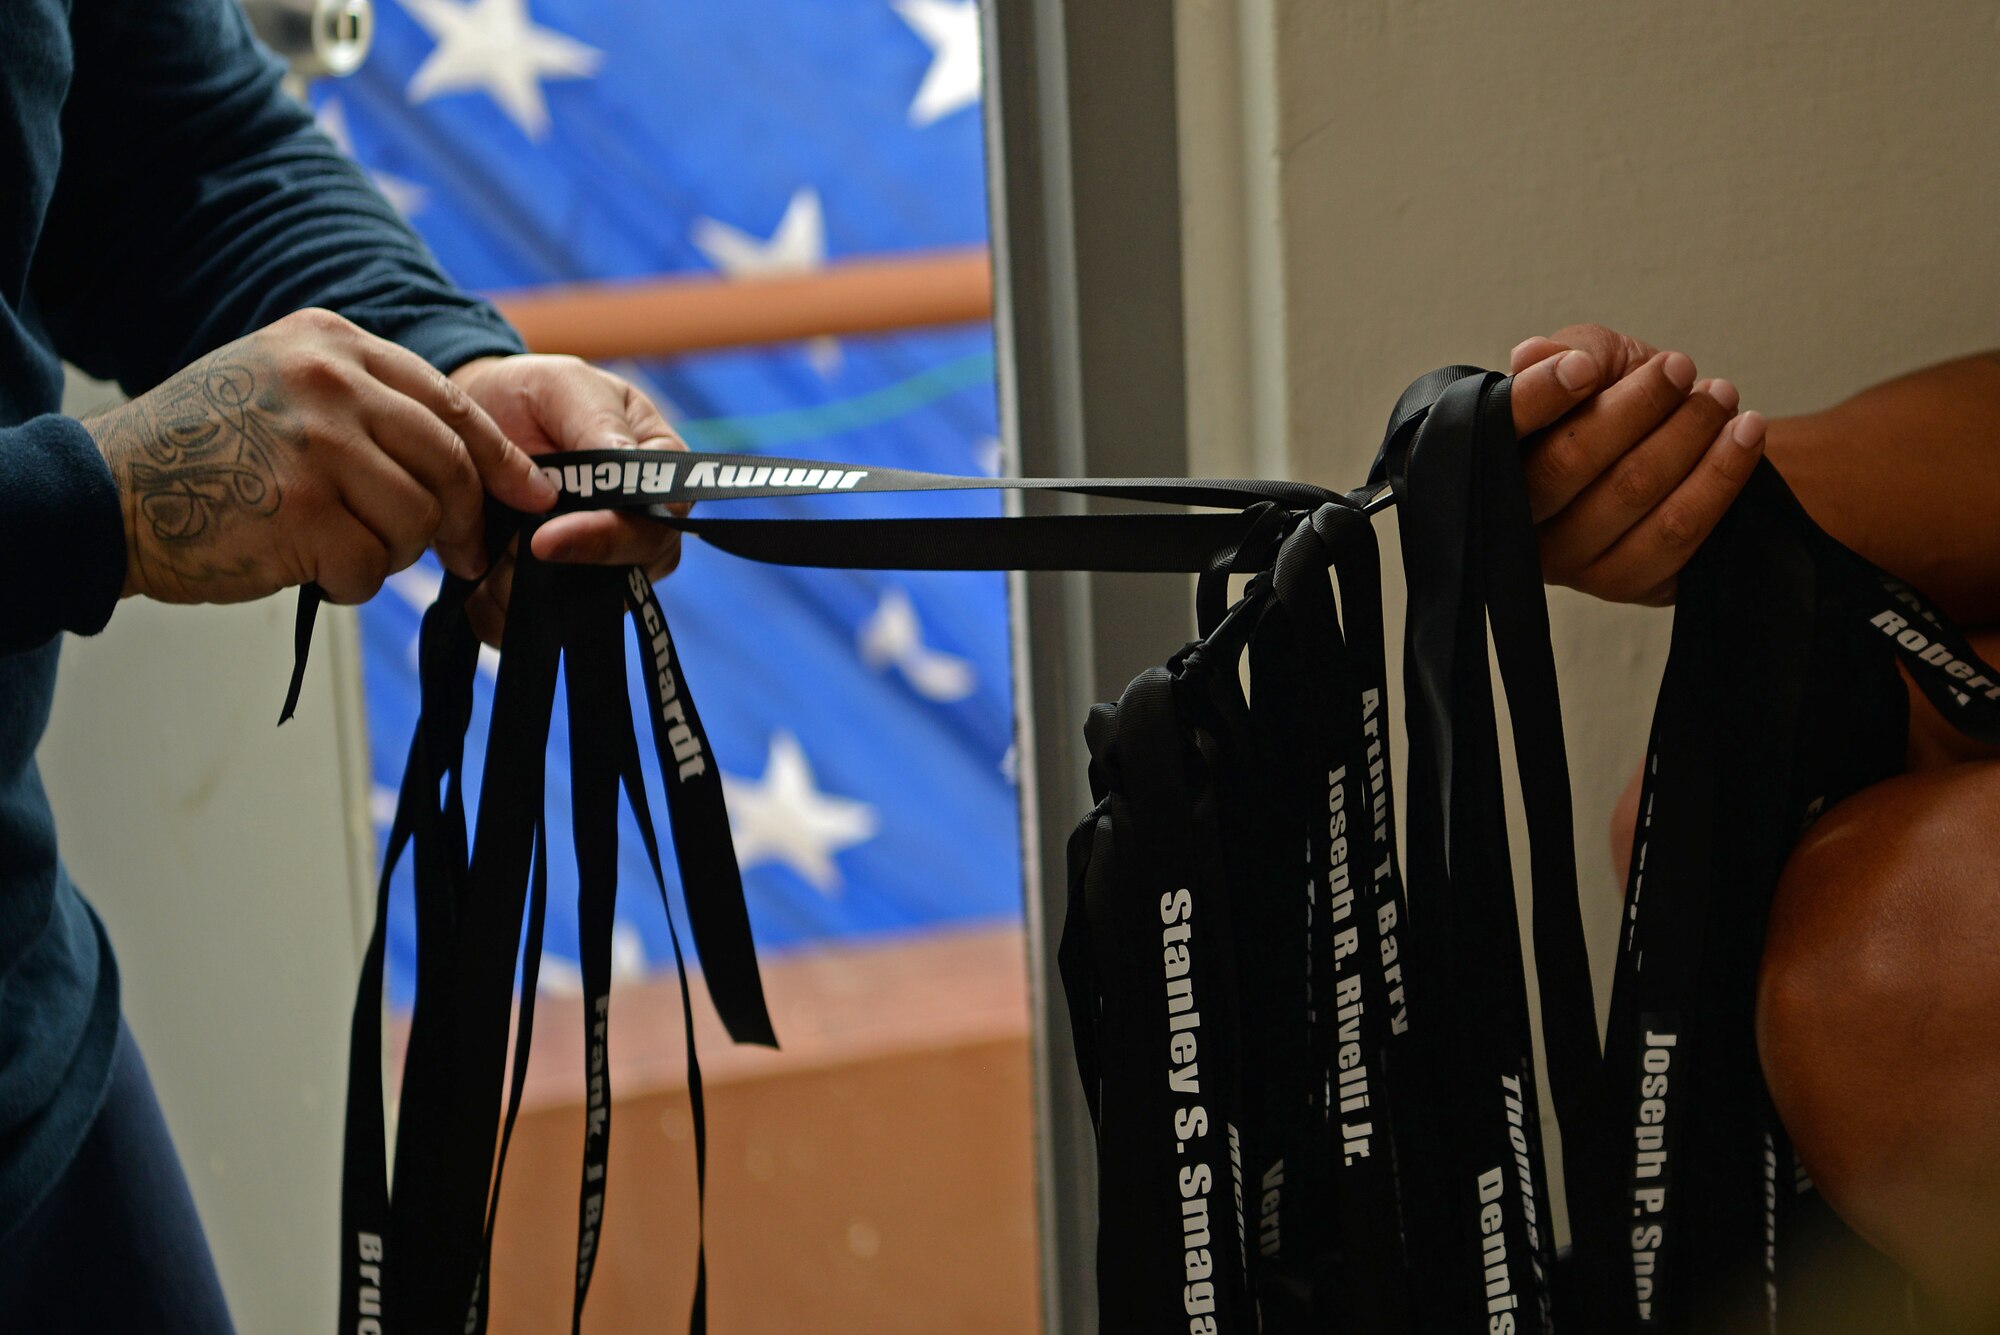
[1281, 1148]
[1470, 561]
[594, 657]
[1308, 695]
[476, 897]
[1159, 1029]
[418, 1261]
[1271, 794]
[1780, 698]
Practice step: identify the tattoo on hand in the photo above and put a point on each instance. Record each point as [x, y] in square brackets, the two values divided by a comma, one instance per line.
[211, 449]
[203, 448]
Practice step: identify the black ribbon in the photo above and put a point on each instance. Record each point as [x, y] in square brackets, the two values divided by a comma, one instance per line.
[418, 1261]
[1780, 698]
[1470, 561]
[1285, 1143]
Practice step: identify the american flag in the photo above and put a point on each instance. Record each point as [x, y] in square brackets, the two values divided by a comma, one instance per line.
[864, 721]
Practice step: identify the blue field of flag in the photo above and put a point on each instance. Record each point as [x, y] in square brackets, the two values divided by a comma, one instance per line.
[864, 721]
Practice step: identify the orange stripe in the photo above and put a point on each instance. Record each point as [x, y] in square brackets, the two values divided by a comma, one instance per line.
[664, 316]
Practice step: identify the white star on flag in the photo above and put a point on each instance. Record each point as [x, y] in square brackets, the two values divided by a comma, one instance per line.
[797, 245]
[894, 636]
[405, 197]
[493, 46]
[951, 29]
[783, 817]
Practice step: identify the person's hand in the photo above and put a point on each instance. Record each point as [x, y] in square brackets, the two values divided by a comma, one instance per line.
[310, 451]
[1625, 482]
[560, 403]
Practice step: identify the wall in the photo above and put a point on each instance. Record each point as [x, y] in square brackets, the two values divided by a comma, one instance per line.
[1800, 196]
[874, 1176]
[230, 863]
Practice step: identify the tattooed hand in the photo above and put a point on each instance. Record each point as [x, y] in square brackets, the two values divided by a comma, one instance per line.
[308, 451]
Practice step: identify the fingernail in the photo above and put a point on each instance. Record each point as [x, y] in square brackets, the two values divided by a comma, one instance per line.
[539, 484]
[1575, 371]
[1680, 371]
[1514, 355]
[1725, 394]
[1749, 430]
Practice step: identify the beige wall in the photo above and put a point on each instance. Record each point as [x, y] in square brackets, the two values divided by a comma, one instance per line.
[1804, 197]
[230, 861]
[874, 1176]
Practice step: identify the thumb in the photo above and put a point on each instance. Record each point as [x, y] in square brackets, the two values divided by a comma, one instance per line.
[1551, 387]
[582, 410]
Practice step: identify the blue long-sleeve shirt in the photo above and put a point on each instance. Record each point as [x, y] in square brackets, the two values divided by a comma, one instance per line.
[159, 196]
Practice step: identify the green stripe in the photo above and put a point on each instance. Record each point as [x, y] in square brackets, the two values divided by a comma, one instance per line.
[764, 431]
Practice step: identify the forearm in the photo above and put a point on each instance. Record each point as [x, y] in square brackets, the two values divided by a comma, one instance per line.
[288, 227]
[1908, 474]
[197, 203]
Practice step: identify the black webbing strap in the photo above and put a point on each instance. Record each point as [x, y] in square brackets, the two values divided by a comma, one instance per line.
[1780, 698]
[593, 662]
[1470, 561]
[1357, 561]
[627, 479]
[1107, 542]
[639, 594]
[1963, 687]
[1853, 732]
[635, 794]
[1089, 853]
[1724, 733]
[1171, 1255]
[1434, 1150]
[1346, 859]
[1411, 1097]
[1265, 801]
[713, 886]
[435, 1235]
[456, 1063]
[369, 1242]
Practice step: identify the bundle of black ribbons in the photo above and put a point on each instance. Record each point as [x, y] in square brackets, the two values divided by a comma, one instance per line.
[1310, 1061]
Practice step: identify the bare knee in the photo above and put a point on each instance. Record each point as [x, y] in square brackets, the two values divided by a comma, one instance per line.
[1879, 1022]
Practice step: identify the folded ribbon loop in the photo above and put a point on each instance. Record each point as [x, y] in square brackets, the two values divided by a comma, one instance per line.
[1308, 1058]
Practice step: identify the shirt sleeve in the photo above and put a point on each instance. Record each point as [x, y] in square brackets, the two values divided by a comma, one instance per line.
[197, 202]
[62, 566]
